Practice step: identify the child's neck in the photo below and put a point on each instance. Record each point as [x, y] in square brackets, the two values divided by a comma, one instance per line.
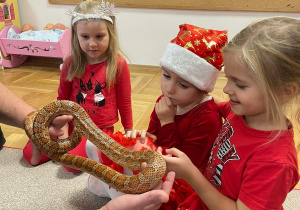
[260, 123]
[182, 110]
[96, 61]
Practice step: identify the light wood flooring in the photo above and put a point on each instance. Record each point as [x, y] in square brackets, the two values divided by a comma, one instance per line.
[37, 85]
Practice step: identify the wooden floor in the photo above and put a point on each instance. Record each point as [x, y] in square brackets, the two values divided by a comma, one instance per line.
[38, 86]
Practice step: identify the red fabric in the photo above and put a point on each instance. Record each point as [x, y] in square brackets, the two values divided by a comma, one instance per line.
[193, 132]
[27, 154]
[91, 92]
[206, 43]
[180, 191]
[125, 142]
[192, 203]
[249, 165]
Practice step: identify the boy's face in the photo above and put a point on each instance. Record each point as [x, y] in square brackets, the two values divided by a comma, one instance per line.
[180, 92]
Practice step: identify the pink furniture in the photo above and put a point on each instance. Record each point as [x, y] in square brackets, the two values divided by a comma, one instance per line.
[15, 51]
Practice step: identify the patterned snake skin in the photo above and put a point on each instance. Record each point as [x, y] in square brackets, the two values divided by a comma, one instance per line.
[36, 126]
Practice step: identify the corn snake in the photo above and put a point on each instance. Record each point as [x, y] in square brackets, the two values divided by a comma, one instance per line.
[36, 127]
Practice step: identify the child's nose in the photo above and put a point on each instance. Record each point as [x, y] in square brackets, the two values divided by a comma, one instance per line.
[170, 89]
[226, 88]
[93, 43]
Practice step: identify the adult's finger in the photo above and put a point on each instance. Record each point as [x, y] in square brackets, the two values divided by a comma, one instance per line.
[60, 121]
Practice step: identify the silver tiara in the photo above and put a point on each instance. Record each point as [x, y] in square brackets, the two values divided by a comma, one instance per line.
[103, 11]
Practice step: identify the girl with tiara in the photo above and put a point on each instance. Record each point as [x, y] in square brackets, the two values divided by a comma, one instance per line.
[95, 75]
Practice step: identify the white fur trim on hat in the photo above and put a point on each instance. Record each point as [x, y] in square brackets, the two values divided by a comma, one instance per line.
[190, 67]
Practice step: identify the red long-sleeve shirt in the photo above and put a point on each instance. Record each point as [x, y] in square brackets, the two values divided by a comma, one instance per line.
[193, 132]
[91, 92]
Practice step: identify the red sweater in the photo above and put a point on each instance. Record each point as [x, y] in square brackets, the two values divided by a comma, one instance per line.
[91, 92]
[193, 132]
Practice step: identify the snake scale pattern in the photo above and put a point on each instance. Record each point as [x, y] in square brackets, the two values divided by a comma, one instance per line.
[36, 127]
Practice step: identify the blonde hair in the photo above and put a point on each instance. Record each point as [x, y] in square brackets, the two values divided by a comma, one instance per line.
[270, 48]
[78, 57]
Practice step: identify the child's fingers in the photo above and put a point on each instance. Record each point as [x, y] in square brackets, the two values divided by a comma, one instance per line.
[172, 156]
[151, 136]
[162, 102]
[158, 106]
[168, 101]
[143, 134]
[133, 133]
[128, 134]
[174, 152]
[170, 159]
[159, 150]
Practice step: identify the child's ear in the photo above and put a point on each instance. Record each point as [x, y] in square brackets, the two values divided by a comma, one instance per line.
[289, 91]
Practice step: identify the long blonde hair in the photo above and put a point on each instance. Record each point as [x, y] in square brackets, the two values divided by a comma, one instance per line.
[113, 52]
[270, 48]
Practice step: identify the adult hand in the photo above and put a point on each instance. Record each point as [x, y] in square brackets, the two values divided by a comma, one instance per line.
[58, 124]
[58, 127]
[150, 200]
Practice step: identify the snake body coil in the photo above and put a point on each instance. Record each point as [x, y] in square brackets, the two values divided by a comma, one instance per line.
[36, 127]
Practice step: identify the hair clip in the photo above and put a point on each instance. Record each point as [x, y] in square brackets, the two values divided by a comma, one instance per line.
[103, 11]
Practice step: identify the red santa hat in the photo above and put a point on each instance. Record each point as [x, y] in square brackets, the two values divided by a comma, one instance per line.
[195, 55]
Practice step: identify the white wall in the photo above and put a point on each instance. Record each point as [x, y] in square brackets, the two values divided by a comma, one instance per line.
[144, 33]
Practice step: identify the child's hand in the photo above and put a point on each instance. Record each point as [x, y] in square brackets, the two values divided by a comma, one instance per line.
[133, 134]
[178, 162]
[58, 125]
[165, 110]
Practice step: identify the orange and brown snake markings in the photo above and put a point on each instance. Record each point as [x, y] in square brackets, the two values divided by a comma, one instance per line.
[36, 127]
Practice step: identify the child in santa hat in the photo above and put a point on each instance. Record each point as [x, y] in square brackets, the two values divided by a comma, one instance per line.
[185, 116]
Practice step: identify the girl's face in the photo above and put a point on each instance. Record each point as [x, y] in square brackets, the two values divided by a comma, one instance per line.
[181, 93]
[246, 97]
[93, 39]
